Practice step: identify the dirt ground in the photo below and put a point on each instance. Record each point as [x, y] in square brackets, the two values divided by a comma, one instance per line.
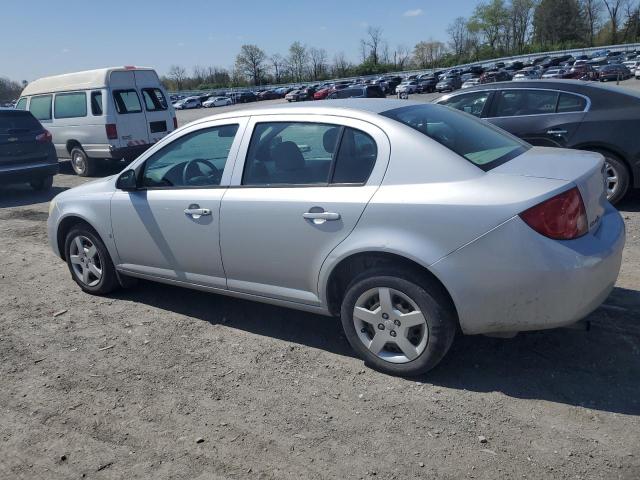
[158, 382]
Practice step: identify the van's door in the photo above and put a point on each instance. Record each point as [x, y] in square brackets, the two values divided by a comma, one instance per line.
[131, 120]
[157, 109]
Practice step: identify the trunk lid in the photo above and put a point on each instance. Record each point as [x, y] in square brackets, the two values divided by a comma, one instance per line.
[585, 169]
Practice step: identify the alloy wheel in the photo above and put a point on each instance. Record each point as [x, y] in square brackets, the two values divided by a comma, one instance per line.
[390, 325]
[85, 261]
[612, 179]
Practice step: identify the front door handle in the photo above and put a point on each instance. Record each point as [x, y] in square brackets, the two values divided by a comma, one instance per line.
[556, 132]
[321, 217]
[196, 212]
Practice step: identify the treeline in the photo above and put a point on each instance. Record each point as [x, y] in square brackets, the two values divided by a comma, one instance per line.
[497, 28]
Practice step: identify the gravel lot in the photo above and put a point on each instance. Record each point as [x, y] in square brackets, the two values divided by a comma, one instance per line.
[160, 382]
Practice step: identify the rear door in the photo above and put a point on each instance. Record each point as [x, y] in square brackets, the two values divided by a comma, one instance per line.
[131, 119]
[157, 109]
[546, 118]
[301, 190]
[18, 144]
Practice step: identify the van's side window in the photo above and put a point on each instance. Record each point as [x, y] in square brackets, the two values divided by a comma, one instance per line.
[22, 104]
[154, 99]
[40, 107]
[127, 101]
[96, 103]
[70, 105]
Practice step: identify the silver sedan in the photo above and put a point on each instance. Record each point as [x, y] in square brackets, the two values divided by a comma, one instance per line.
[409, 221]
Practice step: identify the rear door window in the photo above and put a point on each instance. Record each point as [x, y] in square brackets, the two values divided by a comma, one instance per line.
[40, 107]
[127, 101]
[356, 158]
[513, 103]
[154, 99]
[70, 105]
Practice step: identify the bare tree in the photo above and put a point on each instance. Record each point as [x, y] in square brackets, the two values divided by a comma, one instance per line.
[340, 65]
[278, 63]
[458, 32]
[298, 61]
[614, 8]
[177, 74]
[592, 10]
[374, 43]
[428, 54]
[250, 62]
[401, 56]
[318, 58]
[520, 19]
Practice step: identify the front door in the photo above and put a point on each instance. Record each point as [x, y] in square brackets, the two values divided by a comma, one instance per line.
[301, 192]
[545, 118]
[169, 227]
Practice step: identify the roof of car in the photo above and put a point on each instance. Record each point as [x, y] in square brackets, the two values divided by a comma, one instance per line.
[84, 80]
[561, 84]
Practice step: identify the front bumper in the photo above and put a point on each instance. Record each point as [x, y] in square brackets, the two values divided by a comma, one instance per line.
[514, 279]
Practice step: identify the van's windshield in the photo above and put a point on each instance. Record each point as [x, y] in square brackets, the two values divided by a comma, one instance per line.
[478, 142]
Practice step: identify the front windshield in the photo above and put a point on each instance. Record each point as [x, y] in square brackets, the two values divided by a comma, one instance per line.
[478, 142]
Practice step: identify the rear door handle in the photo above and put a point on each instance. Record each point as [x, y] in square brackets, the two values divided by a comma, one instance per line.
[556, 131]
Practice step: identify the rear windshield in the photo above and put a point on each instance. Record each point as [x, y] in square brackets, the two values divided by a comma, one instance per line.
[478, 142]
[17, 121]
[127, 101]
[154, 99]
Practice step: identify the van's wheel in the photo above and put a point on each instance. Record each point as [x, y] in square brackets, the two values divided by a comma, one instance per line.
[89, 261]
[398, 322]
[42, 184]
[81, 163]
[617, 176]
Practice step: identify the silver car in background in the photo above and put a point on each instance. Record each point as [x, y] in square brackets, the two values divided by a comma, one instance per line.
[408, 220]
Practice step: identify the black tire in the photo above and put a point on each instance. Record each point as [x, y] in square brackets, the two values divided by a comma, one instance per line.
[82, 164]
[109, 279]
[42, 184]
[440, 316]
[622, 172]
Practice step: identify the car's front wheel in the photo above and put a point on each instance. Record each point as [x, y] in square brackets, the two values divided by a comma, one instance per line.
[89, 261]
[398, 322]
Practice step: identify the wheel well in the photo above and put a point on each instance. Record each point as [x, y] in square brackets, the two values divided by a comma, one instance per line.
[350, 267]
[71, 144]
[64, 228]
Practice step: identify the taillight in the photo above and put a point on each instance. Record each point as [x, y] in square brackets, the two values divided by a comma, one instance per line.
[44, 137]
[112, 131]
[175, 123]
[562, 217]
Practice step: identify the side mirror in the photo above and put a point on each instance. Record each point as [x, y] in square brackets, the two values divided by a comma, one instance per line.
[127, 181]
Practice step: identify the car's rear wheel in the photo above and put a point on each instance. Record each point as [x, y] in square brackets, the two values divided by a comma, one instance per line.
[617, 176]
[42, 184]
[398, 323]
[81, 163]
[89, 261]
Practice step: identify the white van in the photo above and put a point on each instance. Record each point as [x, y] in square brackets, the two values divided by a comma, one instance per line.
[109, 113]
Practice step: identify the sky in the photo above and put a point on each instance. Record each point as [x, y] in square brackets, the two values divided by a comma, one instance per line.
[49, 37]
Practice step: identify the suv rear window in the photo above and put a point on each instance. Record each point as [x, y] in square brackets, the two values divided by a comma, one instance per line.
[478, 142]
[127, 101]
[16, 121]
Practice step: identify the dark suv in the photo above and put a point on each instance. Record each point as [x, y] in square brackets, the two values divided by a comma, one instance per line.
[359, 91]
[27, 153]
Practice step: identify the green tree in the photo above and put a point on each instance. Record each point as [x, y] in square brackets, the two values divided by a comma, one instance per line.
[559, 23]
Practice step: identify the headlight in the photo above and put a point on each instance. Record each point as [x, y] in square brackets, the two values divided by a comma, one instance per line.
[52, 205]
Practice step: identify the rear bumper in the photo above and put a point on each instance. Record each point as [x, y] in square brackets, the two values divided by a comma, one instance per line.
[27, 172]
[513, 279]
